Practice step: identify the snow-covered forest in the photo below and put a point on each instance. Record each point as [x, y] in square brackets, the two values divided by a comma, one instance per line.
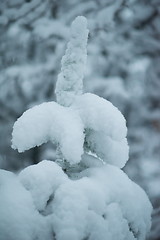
[122, 66]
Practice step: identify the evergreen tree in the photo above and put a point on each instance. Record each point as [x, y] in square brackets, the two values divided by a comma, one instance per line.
[95, 200]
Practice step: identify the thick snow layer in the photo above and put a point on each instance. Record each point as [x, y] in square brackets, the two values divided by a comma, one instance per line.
[99, 114]
[19, 219]
[50, 121]
[105, 128]
[90, 117]
[102, 204]
[70, 80]
[34, 177]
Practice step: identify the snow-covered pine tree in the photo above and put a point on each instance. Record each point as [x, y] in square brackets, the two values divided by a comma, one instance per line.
[101, 203]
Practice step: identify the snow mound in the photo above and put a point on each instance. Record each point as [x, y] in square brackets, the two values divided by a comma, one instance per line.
[105, 128]
[19, 219]
[102, 204]
[50, 121]
[42, 180]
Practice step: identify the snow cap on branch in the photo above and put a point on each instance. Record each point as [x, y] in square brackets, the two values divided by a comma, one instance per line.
[70, 80]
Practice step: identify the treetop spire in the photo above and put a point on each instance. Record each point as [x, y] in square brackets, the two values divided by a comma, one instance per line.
[70, 79]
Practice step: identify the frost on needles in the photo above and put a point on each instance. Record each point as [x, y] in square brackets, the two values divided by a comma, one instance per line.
[94, 199]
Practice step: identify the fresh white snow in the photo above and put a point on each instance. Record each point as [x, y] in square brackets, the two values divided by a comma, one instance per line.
[103, 204]
[103, 124]
[105, 128]
[50, 121]
[19, 218]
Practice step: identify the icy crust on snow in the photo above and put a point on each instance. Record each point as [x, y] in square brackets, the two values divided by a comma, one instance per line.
[105, 128]
[70, 80]
[103, 204]
[90, 118]
[50, 122]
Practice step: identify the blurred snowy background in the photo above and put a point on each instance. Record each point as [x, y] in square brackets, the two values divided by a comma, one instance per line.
[123, 67]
